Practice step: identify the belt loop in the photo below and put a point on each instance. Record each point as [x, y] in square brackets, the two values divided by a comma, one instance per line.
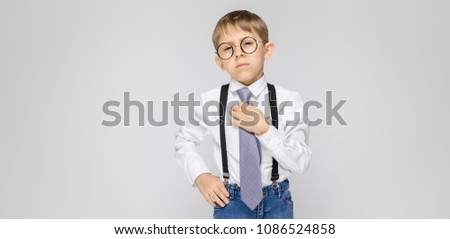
[232, 191]
[277, 188]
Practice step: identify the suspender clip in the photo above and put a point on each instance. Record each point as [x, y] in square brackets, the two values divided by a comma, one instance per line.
[275, 178]
[226, 177]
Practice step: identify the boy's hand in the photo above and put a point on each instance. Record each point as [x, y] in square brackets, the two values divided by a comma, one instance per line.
[250, 118]
[212, 189]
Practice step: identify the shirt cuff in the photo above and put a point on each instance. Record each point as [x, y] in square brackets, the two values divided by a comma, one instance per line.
[197, 171]
[272, 139]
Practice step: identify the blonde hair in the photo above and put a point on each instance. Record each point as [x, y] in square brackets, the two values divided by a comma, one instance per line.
[243, 19]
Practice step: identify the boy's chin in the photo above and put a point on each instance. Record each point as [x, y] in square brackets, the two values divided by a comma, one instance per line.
[246, 80]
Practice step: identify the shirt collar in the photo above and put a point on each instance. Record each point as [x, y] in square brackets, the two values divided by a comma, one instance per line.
[256, 87]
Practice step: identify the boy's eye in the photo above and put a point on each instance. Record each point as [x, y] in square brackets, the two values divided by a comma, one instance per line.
[248, 43]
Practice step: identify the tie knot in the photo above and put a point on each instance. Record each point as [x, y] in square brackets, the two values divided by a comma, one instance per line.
[244, 94]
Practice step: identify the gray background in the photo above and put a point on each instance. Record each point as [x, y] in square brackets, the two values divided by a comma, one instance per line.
[62, 60]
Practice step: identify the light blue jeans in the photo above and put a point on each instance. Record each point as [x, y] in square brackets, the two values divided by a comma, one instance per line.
[276, 203]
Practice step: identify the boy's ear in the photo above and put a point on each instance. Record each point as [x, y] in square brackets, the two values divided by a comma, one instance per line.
[219, 62]
[270, 49]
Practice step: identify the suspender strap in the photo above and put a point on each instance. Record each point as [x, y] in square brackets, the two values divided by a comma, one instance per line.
[223, 141]
[274, 114]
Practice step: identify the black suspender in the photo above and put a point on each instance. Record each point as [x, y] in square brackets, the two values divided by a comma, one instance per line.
[223, 143]
[274, 114]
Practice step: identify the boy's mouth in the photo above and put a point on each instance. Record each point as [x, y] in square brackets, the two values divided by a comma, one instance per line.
[241, 65]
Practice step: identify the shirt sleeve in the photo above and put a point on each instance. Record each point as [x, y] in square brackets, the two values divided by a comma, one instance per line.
[289, 145]
[186, 141]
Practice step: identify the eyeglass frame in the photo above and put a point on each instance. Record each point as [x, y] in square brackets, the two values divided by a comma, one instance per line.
[240, 45]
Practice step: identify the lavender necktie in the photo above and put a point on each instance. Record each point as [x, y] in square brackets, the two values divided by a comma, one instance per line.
[251, 187]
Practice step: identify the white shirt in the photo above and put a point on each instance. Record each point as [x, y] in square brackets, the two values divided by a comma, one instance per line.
[288, 144]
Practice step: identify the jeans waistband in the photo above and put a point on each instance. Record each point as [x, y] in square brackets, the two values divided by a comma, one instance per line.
[274, 189]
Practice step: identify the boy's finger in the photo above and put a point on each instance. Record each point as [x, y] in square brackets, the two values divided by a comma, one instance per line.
[224, 190]
[236, 108]
[242, 116]
[218, 200]
[222, 197]
[208, 199]
[236, 115]
[236, 123]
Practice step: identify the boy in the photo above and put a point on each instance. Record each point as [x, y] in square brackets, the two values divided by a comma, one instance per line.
[255, 155]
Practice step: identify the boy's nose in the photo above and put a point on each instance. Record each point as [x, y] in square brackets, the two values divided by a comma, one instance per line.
[239, 52]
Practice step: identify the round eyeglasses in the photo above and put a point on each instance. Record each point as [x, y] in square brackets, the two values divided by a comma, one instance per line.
[248, 45]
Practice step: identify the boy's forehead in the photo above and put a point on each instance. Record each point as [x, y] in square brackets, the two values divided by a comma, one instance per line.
[234, 33]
